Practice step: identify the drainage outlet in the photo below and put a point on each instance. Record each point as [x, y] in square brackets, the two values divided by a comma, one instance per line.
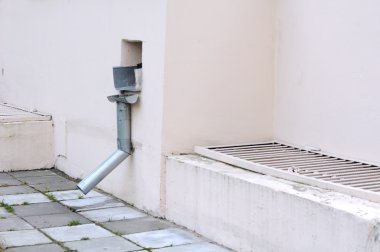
[309, 167]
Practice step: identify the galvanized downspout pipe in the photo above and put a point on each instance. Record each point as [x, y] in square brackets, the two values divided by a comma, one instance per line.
[124, 145]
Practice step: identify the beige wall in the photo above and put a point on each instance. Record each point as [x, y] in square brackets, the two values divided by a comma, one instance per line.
[327, 78]
[218, 73]
[58, 56]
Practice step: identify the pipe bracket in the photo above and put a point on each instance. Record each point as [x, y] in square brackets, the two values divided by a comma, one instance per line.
[129, 98]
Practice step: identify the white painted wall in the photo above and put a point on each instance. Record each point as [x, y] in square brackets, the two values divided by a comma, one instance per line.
[327, 77]
[219, 70]
[58, 56]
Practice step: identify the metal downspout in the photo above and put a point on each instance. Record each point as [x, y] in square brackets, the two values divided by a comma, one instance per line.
[127, 80]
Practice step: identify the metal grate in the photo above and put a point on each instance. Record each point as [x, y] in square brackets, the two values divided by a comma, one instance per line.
[9, 113]
[309, 167]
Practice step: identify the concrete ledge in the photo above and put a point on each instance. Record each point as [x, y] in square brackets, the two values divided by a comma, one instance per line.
[26, 145]
[246, 211]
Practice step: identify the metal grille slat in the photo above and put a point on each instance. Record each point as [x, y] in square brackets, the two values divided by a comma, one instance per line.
[330, 163]
[337, 169]
[287, 158]
[297, 162]
[300, 165]
[356, 177]
[342, 165]
[360, 171]
[274, 154]
[267, 150]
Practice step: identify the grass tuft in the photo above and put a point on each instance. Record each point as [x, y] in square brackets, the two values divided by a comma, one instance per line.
[85, 238]
[51, 197]
[119, 233]
[7, 207]
[74, 223]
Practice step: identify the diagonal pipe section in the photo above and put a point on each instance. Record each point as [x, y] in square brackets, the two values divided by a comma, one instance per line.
[87, 184]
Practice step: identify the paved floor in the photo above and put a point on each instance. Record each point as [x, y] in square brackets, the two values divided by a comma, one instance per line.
[42, 211]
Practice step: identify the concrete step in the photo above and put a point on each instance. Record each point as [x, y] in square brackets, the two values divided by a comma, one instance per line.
[247, 211]
[26, 139]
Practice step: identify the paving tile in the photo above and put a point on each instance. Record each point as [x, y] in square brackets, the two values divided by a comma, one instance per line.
[22, 238]
[55, 186]
[9, 181]
[19, 199]
[74, 194]
[38, 248]
[75, 233]
[198, 247]
[13, 224]
[4, 213]
[114, 244]
[43, 179]
[40, 209]
[92, 203]
[16, 190]
[137, 225]
[163, 238]
[112, 214]
[55, 220]
[4, 175]
[34, 173]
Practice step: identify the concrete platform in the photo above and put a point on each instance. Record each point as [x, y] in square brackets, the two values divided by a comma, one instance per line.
[26, 139]
[247, 211]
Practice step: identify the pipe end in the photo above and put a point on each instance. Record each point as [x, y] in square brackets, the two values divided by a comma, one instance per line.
[83, 188]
